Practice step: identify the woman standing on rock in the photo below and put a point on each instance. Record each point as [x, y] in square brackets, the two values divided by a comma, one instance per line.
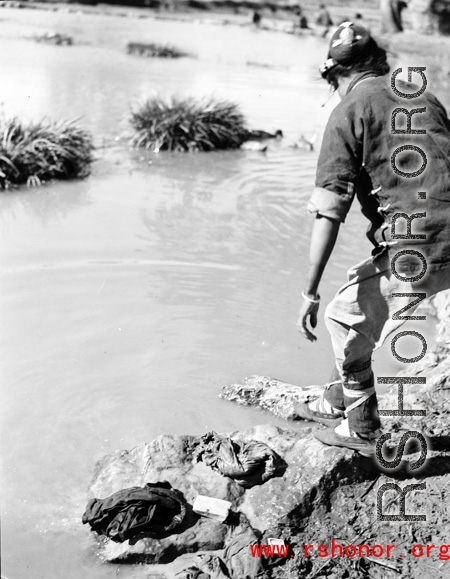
[372, 121]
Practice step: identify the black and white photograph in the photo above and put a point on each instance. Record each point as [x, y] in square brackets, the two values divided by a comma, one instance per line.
[225, 289]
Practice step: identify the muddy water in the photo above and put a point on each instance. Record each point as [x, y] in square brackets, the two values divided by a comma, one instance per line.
[128, 299]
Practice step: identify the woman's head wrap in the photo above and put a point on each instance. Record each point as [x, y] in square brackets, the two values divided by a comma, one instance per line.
[348, 44]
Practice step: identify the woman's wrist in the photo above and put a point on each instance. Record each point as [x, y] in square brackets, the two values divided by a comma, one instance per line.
[314, 298]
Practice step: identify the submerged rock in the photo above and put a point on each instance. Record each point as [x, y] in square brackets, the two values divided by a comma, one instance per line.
[270, 394]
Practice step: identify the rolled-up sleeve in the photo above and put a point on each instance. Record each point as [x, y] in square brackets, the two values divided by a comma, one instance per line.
[331, 204]
[338, 166]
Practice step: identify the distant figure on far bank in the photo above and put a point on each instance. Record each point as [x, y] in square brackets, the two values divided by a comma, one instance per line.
[256, 18]
[323, 20]
[302, 22]
[391, 15]
[397, 8]
[360, 21]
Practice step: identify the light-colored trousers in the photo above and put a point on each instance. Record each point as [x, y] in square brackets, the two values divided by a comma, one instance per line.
[360, 318]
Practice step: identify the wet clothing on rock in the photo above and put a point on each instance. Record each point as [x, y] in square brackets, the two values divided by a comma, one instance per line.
[237, 554]
[192, 573]
[204, 566]
[248, 463]
[156, 508]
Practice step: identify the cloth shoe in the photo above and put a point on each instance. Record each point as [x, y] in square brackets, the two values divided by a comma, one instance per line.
[318, 411]
[343, 437]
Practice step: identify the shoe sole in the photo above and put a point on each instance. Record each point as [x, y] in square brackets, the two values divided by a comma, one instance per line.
[330, 438]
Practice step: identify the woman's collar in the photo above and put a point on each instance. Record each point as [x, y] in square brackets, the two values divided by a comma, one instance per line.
[360, 78]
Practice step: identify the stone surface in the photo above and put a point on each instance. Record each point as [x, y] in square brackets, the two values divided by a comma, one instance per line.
[270, 394]
[435, 365]
[165, 458]
[313, 471]
[441, 304]
[315, 478]
[312, 468]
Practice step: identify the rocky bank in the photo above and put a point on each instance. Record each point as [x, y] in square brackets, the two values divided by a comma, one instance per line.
[323, 493]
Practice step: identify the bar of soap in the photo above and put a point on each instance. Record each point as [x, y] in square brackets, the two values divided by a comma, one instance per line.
[217, 509]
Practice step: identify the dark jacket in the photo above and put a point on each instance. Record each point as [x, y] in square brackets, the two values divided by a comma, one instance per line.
[156, 508]
[355, 158]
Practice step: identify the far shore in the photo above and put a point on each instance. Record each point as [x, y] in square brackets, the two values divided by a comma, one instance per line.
[408, 47]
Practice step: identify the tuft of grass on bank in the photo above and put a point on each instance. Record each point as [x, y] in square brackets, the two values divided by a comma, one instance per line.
[155, 50]
[36, 152]
[188, 125]
[54, 38]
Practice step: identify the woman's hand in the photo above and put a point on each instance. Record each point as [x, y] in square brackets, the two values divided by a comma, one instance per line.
[308, 312]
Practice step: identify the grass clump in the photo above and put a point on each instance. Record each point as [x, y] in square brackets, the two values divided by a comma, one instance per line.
[54, 38]
[154, 49]
[188, 125]
[41, 151]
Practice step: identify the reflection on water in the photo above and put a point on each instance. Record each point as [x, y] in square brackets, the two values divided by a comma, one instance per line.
[130, 298]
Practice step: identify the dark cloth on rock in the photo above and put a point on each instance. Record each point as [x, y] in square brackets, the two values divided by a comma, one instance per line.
[204, 566]
[155, 508]
[192, 573]
[237, 555]
[248, 463]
